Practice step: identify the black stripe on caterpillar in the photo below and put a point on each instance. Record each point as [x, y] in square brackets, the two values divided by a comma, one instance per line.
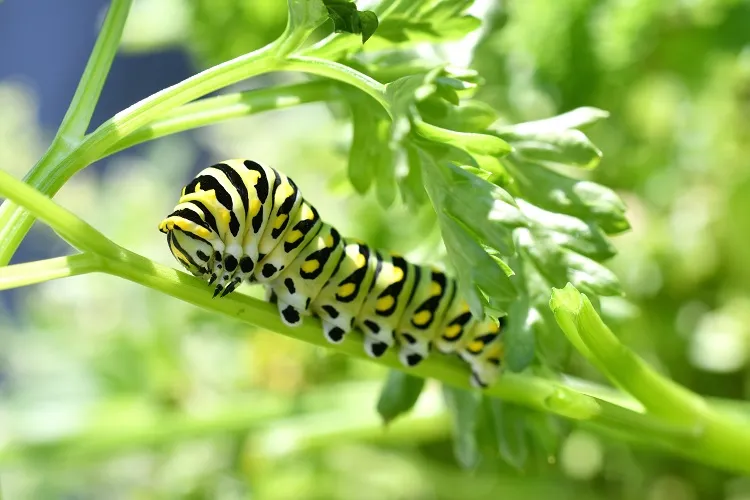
[240, 221]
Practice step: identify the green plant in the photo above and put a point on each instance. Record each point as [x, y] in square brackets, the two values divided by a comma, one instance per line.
[515, 221]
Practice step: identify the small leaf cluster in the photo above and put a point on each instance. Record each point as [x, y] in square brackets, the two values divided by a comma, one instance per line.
[516, 214]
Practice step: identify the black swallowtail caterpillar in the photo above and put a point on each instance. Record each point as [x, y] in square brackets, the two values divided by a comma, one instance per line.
[240, 221]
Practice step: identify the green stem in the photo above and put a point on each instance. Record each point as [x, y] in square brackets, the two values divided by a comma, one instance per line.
[218, 109]
[81, 109]
[14, 222]
[46, 270]
[74, 230]
[341, 73]
[659, 395]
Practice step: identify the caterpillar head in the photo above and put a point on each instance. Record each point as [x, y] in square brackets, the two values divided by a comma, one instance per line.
[192, 244]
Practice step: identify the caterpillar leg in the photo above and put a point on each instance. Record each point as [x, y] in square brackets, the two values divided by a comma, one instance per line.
[485, 373]
[410, 358]
[290, 315]
[225, 267]
[374, 347]
[333, 333]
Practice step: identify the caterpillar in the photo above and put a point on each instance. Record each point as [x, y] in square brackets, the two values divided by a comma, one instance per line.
[239, 221]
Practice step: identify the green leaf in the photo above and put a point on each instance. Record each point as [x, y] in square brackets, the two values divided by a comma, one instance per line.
[555, 139]
[472, 212]
[408, 22]
[560, 266]
[566, 147]
[555, 192]
[482, 281]
[509, 424]
[369, 22]
[463, 407]
[551, 346]
[399, 395]
[304, 17]
[412, 184]
[472, 143]
[365, 150]
[468, 116]
[569, 232]
[486, 209]
[346, 18]
[519, 335]
[399, 30]
[576, 118]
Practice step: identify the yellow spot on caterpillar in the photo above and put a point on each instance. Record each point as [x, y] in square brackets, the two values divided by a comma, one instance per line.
[475, 347]
[307, 213]
[310, 266]
[280, 221]
[452, 332]
[224, 216]
[254, 207]
[328, 241]
[347, 289]
[294, 236]
[422, 318]
[359, 261]
[208, 198]
[493, 327]
[435, 289]
[285, 190]
[384, 303]
[397, 274]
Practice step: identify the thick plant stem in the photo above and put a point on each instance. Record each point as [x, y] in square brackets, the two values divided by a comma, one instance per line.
[718, 437]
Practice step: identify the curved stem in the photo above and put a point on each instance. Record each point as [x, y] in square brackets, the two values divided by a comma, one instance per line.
[341, 73]
[73, 229]
[212, 110]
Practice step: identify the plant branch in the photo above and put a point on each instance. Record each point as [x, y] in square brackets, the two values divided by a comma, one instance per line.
[341, 73]
[73, 229]
[212, 110]
[32, 273]
[81, 109]
[720, 436]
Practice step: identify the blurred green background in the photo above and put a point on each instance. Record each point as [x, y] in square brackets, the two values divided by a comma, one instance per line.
[110, 390]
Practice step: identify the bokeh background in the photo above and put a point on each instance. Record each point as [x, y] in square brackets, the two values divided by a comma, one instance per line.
[110, 390]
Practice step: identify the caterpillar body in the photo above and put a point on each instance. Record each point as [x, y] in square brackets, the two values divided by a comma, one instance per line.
[240, 221]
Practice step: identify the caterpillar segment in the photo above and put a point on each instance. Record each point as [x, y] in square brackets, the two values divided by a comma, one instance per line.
[239, 221]
[385, 304]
